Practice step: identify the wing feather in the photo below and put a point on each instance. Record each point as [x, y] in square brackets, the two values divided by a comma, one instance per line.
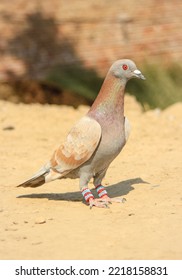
[80, 144]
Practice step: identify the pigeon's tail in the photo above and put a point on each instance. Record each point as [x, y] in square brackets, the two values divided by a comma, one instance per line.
[36, 180]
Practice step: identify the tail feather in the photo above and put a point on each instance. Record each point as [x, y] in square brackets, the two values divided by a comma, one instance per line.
[36, 180]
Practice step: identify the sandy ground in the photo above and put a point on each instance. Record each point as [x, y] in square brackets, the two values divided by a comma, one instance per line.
[52, 222]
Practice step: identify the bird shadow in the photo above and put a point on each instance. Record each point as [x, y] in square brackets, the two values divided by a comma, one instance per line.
[119, 189]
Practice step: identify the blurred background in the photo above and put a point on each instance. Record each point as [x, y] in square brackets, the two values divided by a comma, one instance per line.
[59, 51]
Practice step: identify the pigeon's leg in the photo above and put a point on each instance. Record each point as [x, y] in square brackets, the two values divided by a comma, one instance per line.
[102, 193]
[88, 196]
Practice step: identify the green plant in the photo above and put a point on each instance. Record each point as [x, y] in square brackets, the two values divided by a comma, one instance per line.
[76, 78]
[163, 86]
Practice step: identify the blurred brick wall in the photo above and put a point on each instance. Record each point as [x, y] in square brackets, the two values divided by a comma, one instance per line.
[96, 32]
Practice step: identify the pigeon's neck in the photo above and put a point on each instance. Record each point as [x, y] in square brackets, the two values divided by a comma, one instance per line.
[110, 99]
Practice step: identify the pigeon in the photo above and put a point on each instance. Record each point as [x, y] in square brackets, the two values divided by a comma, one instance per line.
[95, 140]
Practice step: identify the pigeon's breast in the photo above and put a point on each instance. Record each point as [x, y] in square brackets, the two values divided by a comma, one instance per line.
[112, 140]
[111, 143]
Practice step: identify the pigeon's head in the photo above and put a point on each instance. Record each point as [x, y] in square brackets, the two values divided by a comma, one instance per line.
[126, 69]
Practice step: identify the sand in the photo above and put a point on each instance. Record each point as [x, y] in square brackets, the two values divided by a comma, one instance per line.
[52, 222]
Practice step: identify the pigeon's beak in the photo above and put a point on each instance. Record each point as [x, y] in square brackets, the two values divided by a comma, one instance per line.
[138, 74]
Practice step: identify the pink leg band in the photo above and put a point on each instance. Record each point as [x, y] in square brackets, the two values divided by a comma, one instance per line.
[87, 194]
[101, 191]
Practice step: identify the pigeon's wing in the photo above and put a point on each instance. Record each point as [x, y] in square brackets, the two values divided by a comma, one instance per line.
[80, 144]
[127, 128]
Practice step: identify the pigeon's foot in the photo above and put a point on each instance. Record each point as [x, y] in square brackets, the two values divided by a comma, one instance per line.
[108, 200]
[98, 203]
[105, 201]
[103, 196]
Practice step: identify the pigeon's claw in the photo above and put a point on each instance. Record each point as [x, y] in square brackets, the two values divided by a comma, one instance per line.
[98, 203]
[107, 199]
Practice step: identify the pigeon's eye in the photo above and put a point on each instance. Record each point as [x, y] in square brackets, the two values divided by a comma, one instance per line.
[125, 67]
